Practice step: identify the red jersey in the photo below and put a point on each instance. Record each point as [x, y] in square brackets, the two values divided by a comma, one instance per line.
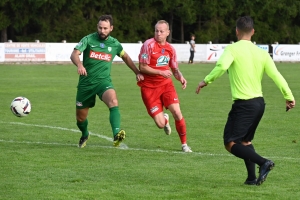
[157, 56]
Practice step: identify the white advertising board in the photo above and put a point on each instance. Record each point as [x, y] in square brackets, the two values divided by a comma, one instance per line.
[2, 55]
[284, 52]
[214, 51]
[59, 51]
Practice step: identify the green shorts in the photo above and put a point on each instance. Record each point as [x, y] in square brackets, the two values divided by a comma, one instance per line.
[86, 96]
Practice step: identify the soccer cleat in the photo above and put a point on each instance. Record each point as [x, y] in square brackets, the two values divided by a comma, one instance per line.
[264, 171]
[186, 149]
[253, 182]
[119, 138]
[82, 141]
[167, 127]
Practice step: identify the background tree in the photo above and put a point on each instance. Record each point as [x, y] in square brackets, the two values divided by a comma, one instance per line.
[134, 20]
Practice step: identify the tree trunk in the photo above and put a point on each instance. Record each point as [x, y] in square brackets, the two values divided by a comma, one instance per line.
[3, 35]
[182, 31]
[169, 39]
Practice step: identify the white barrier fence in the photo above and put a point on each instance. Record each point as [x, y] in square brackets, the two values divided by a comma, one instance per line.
[60, 52]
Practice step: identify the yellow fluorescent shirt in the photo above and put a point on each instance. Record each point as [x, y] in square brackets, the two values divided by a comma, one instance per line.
[246, 64]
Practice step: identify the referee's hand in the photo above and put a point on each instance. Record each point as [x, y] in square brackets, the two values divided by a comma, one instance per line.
[289, 105]
[200, 86]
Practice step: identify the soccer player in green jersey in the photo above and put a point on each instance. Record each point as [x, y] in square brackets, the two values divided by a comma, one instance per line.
[246, 64]
[99, 50]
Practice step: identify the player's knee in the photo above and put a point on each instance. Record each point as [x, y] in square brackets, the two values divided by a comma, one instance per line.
[160, 124]
[113, 102]
[177, 115]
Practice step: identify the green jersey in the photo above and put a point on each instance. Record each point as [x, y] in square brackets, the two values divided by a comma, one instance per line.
[98, 55]
[246, 64]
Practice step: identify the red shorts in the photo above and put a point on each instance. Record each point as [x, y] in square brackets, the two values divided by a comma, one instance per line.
[157, 98]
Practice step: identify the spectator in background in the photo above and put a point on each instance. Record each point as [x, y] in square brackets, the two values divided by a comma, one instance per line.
[192, 49]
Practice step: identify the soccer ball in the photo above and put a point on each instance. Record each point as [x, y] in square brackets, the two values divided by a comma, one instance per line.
[20, 106]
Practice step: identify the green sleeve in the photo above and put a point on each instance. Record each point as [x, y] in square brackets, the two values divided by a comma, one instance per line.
[222, 65]
[120, 52]
[275, 75]
[81, 46]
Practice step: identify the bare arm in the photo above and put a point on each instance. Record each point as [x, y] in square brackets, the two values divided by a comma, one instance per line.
[126, 58]
[178, 75]
[144, 68]
[76, 61]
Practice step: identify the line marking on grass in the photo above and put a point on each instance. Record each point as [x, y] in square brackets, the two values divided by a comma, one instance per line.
[122, 147]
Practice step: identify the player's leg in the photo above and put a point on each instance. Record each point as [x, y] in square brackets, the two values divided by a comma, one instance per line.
[153, 104]
[180, 125]
[109, 97]
[84, 100]
[171, 102]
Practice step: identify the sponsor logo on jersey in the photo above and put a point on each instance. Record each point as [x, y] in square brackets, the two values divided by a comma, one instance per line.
[100, 56]
[162, 61]
[154, 109]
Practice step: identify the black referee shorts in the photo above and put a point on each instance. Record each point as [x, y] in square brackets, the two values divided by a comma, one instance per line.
[243, 120]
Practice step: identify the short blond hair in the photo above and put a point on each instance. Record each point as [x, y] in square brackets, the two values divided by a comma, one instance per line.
[162, 22]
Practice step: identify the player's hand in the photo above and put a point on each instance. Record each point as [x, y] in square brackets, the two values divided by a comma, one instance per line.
[200, 86]
[139, 77]
[166, 73]
[290, 104]
[81, 70]
[183, 82]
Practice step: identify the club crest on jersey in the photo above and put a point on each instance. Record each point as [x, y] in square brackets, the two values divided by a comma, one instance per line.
[100, 56]
[144, 56]
[102, 45]
[162, 61]
[109, 49]
[162, 51]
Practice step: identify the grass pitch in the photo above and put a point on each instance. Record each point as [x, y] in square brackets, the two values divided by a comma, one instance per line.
[39, 157]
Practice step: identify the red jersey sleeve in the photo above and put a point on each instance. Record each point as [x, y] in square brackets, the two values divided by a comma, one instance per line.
[173, 59]
[144, 56]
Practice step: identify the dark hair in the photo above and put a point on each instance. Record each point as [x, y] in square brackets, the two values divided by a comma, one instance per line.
[106, 18]
[244, 24]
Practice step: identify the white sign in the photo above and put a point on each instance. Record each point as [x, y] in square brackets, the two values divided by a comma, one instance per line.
[214, 51]
[284, 52]
[264, 47]
[2, 55]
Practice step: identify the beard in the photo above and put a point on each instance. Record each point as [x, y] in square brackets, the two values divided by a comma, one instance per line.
[102, 36]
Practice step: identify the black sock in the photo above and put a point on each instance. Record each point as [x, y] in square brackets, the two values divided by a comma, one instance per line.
[247, 153]
[250, 166]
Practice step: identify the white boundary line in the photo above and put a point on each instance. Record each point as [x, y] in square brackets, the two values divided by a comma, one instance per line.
[123, 146]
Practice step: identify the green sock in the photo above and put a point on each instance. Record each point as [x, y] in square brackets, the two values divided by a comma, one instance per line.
[115, 119]
[83, 128]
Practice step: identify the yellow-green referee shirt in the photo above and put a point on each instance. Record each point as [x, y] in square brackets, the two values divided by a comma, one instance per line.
[246, 64]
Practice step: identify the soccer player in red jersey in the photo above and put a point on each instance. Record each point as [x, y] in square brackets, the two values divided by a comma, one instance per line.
[158, 62]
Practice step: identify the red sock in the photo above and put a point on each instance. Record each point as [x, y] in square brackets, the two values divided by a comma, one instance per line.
[181, 130]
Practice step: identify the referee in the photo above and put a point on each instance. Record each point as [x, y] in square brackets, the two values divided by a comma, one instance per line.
[246, 64]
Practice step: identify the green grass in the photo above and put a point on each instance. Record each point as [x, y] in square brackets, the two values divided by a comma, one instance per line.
[39, 157]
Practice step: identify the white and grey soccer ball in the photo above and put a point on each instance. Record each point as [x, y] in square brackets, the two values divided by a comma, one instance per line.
[20, 106]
